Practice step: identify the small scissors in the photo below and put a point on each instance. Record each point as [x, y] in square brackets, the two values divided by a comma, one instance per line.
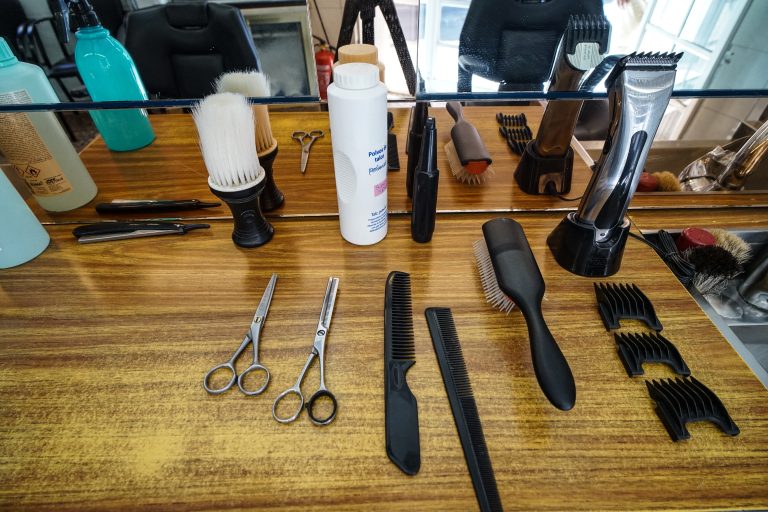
[251, 337]
[318, 350]
[306, 139]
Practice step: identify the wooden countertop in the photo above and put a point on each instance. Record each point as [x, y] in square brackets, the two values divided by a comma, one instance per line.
[172, 167]
[103, 348]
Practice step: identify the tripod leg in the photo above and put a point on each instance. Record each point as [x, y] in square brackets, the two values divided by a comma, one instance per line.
[393, 22]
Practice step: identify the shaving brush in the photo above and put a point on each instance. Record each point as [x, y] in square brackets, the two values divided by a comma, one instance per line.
[225, 127]
[253, 84]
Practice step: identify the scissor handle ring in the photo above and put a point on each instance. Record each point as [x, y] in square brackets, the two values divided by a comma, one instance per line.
[291, 391]
[228, 366]
[253, 368]
[311, 404]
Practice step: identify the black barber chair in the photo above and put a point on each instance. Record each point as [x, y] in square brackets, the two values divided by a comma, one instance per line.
[513, 42]
[181, 48]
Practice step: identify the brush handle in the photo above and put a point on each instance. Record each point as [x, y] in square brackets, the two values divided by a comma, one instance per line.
[251, 228]
[519, 277]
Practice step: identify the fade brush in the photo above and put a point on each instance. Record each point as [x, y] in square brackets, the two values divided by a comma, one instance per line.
[227, 140]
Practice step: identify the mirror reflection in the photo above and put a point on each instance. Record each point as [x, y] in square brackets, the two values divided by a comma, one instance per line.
[485, 46]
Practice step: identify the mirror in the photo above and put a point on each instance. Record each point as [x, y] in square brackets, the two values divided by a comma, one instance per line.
[177, 49]
[506, 48]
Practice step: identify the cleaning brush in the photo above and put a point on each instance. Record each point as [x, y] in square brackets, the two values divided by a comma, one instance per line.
[225, 127]
[509, 275]
[467, 156]
[253, 84]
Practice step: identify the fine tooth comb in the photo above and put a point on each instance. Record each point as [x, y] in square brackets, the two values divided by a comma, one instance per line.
[509, 275]
[457, 385]
[639, 348]
[681, 401]
[401, 410]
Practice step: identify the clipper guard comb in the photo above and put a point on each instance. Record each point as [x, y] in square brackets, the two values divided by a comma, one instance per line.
[624, 301]
[682, 401]
[636, 349]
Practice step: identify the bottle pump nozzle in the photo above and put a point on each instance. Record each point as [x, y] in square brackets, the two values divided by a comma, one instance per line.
[66, 13]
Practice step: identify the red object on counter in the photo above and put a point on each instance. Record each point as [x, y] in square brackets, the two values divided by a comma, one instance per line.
[648, 183]
[694, 237]
[324, 64]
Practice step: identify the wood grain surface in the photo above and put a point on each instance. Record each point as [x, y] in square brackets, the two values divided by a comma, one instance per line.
[172, 168]
[103, 348]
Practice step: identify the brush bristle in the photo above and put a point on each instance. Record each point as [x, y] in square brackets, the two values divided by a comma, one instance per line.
[252, 84]
[225, 127]
[668, 182]
[734, 244]
[460, 172]
[493, 294]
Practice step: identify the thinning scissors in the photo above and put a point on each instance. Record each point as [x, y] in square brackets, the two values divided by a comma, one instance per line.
[306, 139]
[251, 338]
[318, 350]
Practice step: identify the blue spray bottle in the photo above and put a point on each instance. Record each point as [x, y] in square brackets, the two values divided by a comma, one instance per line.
[109, 74]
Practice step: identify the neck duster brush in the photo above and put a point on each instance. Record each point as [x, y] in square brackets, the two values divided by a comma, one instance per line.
[253, 84]
[225, 127]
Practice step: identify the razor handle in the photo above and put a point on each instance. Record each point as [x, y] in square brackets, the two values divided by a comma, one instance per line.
[519, 277]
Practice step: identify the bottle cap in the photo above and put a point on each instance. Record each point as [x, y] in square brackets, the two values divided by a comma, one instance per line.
[6, 55]
[358, 53]
[356, 75]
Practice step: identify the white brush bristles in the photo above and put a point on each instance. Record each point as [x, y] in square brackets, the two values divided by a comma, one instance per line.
[225, 128]
[252, 84]
[493, 294]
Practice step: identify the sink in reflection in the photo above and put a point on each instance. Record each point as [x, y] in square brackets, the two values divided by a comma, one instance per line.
[743, 325]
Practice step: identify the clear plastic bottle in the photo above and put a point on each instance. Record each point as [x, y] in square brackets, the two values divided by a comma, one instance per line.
[357, 105]
[35, 143]
[22, 237]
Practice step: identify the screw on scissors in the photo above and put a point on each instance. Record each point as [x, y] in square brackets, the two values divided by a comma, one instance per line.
[306, 139]
[251, 338]
[318, 350]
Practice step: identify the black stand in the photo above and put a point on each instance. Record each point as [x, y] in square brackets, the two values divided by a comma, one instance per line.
[366, 9]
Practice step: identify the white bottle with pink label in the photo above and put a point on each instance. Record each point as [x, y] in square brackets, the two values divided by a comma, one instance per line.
[357, 104]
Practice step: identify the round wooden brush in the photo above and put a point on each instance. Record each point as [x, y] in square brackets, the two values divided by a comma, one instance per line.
[225, 127]
[253, 84]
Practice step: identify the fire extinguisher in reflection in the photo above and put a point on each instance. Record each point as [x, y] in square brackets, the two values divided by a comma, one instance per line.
[324, 64]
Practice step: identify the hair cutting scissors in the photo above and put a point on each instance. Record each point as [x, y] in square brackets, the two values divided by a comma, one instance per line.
[251, 338]
[318, 350]
[306, 139]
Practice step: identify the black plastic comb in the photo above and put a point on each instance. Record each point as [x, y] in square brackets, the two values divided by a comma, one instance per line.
[624, 301]
[401, 411]
[681, 401]
[636, 349]
[456, 380]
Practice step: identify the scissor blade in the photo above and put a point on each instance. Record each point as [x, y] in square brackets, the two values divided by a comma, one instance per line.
[266, 299]
[328, 302]
[304, 158]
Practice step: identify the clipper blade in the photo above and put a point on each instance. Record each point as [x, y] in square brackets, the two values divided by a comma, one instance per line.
[493, 294]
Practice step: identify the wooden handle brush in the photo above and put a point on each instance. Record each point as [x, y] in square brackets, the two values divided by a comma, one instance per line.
[253, 84]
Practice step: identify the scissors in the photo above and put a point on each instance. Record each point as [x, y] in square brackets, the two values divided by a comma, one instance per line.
[251, 337]
[306, 139]
[318, 350]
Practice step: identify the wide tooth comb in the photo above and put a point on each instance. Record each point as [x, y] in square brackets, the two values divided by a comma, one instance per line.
[456, 379]
[682, 401]
[636, 349]
[624, 301]
[401, 414]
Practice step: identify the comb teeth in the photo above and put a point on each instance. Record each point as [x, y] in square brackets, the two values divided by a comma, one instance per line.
[636, 349]
[399, 317]
[624, 301]
[587, 28]
[465, 414]
[681, 401]
[493, 294]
